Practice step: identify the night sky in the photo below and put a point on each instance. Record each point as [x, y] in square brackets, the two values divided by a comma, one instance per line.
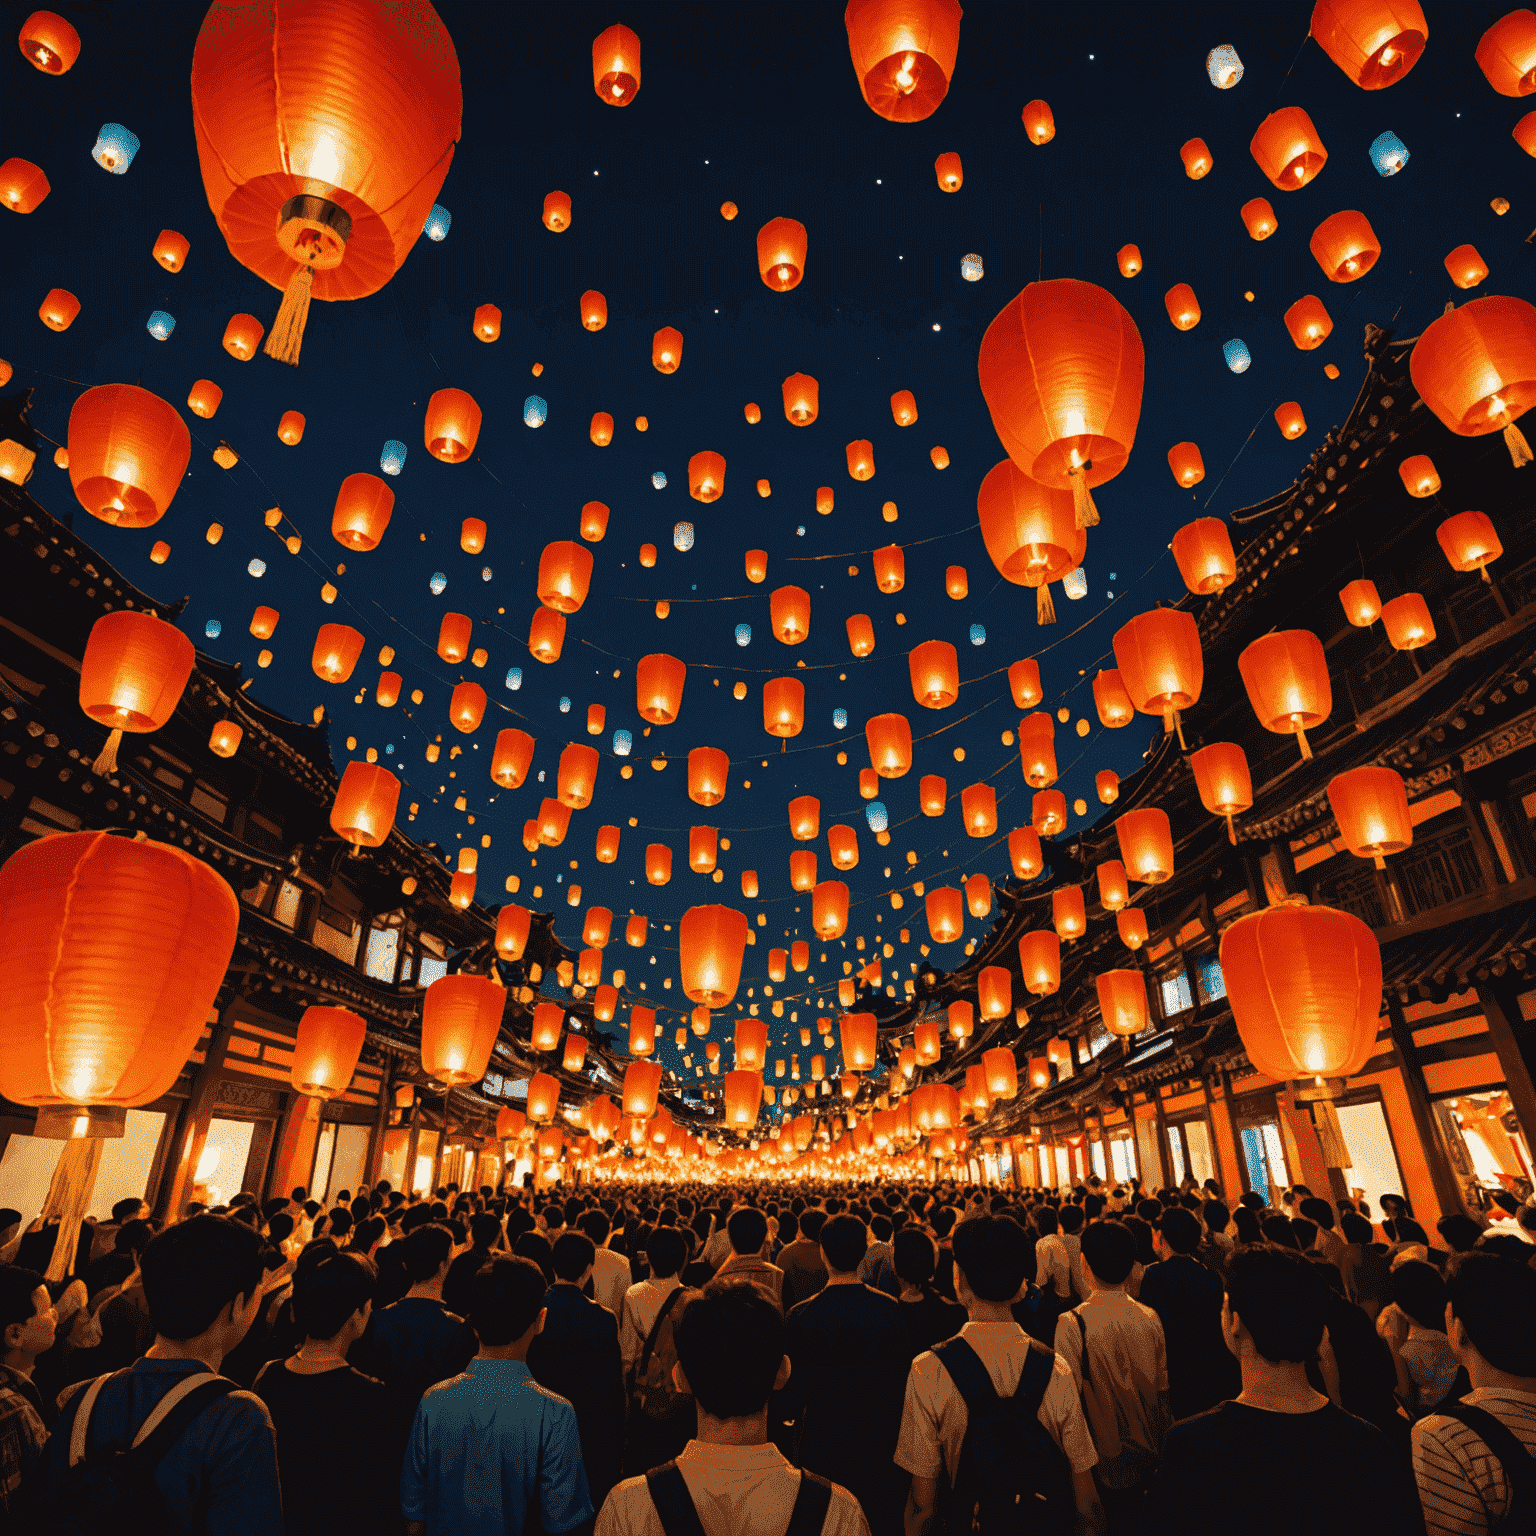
[758, 105]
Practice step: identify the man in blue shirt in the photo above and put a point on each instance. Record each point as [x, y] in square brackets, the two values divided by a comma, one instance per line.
[202, 1282]
[492, 1453]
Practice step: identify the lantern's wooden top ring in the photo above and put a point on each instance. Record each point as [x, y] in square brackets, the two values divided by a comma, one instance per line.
[314, 231]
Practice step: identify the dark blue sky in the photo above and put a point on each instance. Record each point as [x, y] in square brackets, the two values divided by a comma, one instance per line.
[758, 105]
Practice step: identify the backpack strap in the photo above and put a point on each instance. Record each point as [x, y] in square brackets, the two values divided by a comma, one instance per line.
[82, 1423]
[1082, 1334]
[170, 1418]
[674, 1504]
[971, 1378]
[811, 1505]
[1518, 1463]
[1039, 1365]
[655, 1333]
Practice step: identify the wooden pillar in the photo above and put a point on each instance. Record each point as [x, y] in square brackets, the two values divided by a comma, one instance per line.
[412, 1142]
[192, 1127]
[1514, 1038]
[1163, 1157]
[374, 1165]
[1441, 1174]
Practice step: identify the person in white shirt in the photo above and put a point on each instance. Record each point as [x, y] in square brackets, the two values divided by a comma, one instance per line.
[730, 1349]
[666, 1250]
[991, 1256]
[610, 1271]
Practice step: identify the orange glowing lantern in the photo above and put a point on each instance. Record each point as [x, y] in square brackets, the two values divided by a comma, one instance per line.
[1040, 961]
[978, 810]
[1475, 368]
[1370, 805]
[467, 707]
[994, 992]
[1290, 420]
[1031, 533]
[1114, 889]
[23, 186]
[790, 614]
[783, 706]
[1407, 622]
[1040, 124]
[1223, 781]
[642, 1041]
[1197, 158]
[1182, 306]
[804, 817]
[1002, 1072]
[1160, 663]
[1123, 1001]
[781, 247]
[616, 66]
[1470, 542]
[557, 212]
[711, 941]
[565, 576]
[802, 870]
[225, 738]
[554, 821]
[290, 428]
[743, 1099]
[890, 568]
[703, 849]
[751, 1044]
[326, 1050]
[829, 908]
[1375, 42]
[512, 755]
[978, 893]
[933, 794]
[1286, 675]
[925, 1042]
[548, 1019]
[364, 809]
[944, 907]
[1345, 246]
[203, 400]
[1187, 465]
[128, 451]
[1146, 844]
[1288, 149]
[962, 1020]
[889, 738]
[667, 350]
[1419, 476]
[802, 399]
[1024, 683]
[861, 634]
[1024, 852]
[363, 507]
[460, 1018]
[512, 927]
[577, 775]
[859, 1040]
[1128, 259]
[601, 430]
[1203, 551]
[707, 771]
[659, 682]
[1308, 322]
[242, 336]
[861, 459]
[337, 647]
[1362, 607]
[1037, 750]
[706, 476]
[1259, 218]
[1106, 783]
[903, 54]
[1048, 812]
[472, 533]
[453, 633]
[1466, 267]
[543, 1098]
[1067, 912]
[935, 670]
[49, 43]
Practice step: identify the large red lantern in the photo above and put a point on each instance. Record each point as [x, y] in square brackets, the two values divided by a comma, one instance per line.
[802, 399]
[1370, 805]
[781, 246]
[1048, 812]
[1062, 368]
[751, 1044]
[1309, 322]
[324, 131]
[1345, 246]
[117, 950]
[1475, 368]
[460, 1017]
[565, 575]
[1203, 552]
[707, 771]
[903, 54]
[597, 927]
[1037, 749]
[132, 676]
[1031, 533]
[711, 941]
[577, 776]
[1223, 781]
[978, 810]
[790, 614]
[1288, 149]
[659, 683]
[1040, 961]
[783, 706]
[1375, 42]
[616, 66]
[1123, 1001]
[362, 512]
[1304, 985]
[889, 738]
[466, 709]
[1002, 1072]
[1161, 664]
[1506, 54]
[512, 928]
[1024, 852]
[128, 451]
[1470, 542]
[944, 907]
[1286, 675]
[364, 809]
[743, 1099]
[829, 908]
[49, 43]
[994, 992]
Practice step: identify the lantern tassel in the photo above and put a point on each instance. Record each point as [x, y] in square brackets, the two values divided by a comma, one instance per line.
[1301, 738]
[1519, 449]
[1231, 830]
[287, 334]
[1085, 514]
[1482, 571]
[107, 761]
[1045, 609]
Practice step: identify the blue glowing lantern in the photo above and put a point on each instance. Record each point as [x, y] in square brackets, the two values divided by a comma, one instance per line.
[1075, 583]
[565, 705]
[392, 457]
[1388, 153]
[1223, 66]
[978, 634]
[438, 583]
[622, 742]
[213, 629]
[535, 411]
[438, 220]
[875, 815]
[682, 536]
[514, 678]
[659, 480]
[257, 567]
[743, 634]
[1238, 357]
[161, 325]
[115, 148]
[840, 719]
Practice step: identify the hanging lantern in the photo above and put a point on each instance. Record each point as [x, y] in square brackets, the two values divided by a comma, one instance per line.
[1040, 961]
[642, 1041]
[802, 399]
[1128, 259]
[890, 568]
[790, 614]
[1048, 812]
[1345, 246]
[1288, 149]
[128, 451]
[1289, 418]
[132, 676]
[1067, 913]
[978, 892]
[1146, 844]
[1039, 123]
[363, 812]
[203, 400]
[743, 1099]
[935, 670]
[603, 1118]
[1123, 1001]
[1466, 267]
[703, 849]
[118, 950]
[861, 634]
[548, 1020]
[1286, 675]
[1259, 218]
[1197, 158]
[1419, 476]
[781, 247]
[994, 992]
[903, 54]
[707, 770]
[1002, 1072]
[1031, 532]
[1375, 42]
[861, 459]
[1111, 699]
[1182, 306]
[658, 863]
[510, 1123]
[543, 1099]
[1131, 925]
[616, 66]
[1024, 683]
[1160, 663]
[706, 476]
[512, 928]
[933, 794]
[1470, 542]
[49, 43]
[1224, 782]
[802, 871]
[711, 941]
[1309, 323]
[659, 682]
[889, 738]
[978, 810]
[829, 908]
[944, 907]
[925, 1042]
[1407, 622]
[1304, 985]
[1203, 552]
[565, 576]
[460, 1018]
[1475, 368]
[324, 133]
[783, 706]
[363, 507]
[1037, 749]
[962, 1021]
[1061, 368]
[1370, 805]
[1362, 607]
[1187, 465]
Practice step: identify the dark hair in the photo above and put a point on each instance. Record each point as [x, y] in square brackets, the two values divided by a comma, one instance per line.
[1281, 1300]
[667, 1251]
[844, 1242]
[1406, 1230]
[506, 1296]
[484, 1229]
[192, 1271]
[133, 1236]
[18, 1288]
[1180, 1229]
[535, 1247]
[1146, 1250]
[1418, 1290]
[1461, 1232]
[1247, 1224]
[1150, 1210]
[1495, 1298]
[1093, 1207]
[331, 1291]
[811, 1223]
[1071, 1219]
[730, 1343]
[1216, 1216]
[747, 1230]
[1253, 1200]
[341, 1223]
[1277, 1230]
[789, 1227]
[1304, 1231]
[881, 1229]
[1318, 1212]
[1045, 1221]
[914, 1256]
[425, 1250]
[573, 1255]
[1356, 1229]
[366, 1233]
[125, 1210]
[596, 1225]
[1109, 1250]
[990, 1251]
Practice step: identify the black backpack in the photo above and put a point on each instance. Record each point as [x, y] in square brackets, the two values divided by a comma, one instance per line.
[113, 1488]
[1518, 1463]
[1012, 1476]
[675, 1508]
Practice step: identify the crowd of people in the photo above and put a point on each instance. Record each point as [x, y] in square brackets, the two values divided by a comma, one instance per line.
[661, 1359]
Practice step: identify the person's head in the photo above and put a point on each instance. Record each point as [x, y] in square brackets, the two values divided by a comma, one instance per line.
[506, 1302]
[596, 1225]
[299, 1195]
[1109, 1253]
[789, 1227]
[27, 1316]
[1355, 1229]
[427, 1253]
[914, 1255]
[1045, 1221]
[1304, 1231]
[990, 1259]
[535, 1247]
[943, 1221]
[843, 1244]
[573, 1257]
[129, 1210]
[1276, 1305]
[1215, 1215]
[811, 1223]
[1407, 1230]
[1179, 1231]
[1318, 1212]
[341, 1225]
[1252, 1199]
[880, 1228]
[484, 1229]
[1093, 1207]
[1071, 1219]
[1145, 1237]
[1245, 1222]
[202, 1280]
[747, 1230]
[1460, 1232]
[1490, 1302]
[730, 1350]
[667, 1251]
[1150, 1210]
[335, 1296]
[1419, 1291]
[133, 1237]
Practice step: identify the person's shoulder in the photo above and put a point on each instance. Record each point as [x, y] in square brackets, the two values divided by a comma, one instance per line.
[845, 1515]
[562, 1405]
[1199, 1433]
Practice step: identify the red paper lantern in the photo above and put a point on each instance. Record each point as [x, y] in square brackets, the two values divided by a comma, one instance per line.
[889, 738]
[829, 908]
[512, 928]
[511, 758]
[890, 568]
[1040, 124]
[1197, 158]
[1286, 676]
[1048, 812]
[1160, 661]
[1259, 218]
[944, 907]
[790, 614]
[1288, 149]
[903, 54]
[1187, 465]
[659, 682]
[1475, 368]
[783, 706]
[1037, 749]
[706, 476]
[363, 812]
[565, 576]
[49, 43]
[1040, 961]
[1024, 683]
[1067, 912]
[711, 941]
[1470, 542]
[1419, 476]
[802, 870]
[1182, 306]
[1345, 246]
[616, 66]
[460, 1018]
[1111, 699]
[802, 399]
[1370, 805]
[1146, 844]
[128, 452]
[1123, 1001]
[1223, 781]
[1031, 532]
[1407, 622]
[1362, 607]
[935, 669]
[466, 709]
[1375, 42]
[1024, 852]
[1309, 323]
[781, 245]
[543, 1100]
